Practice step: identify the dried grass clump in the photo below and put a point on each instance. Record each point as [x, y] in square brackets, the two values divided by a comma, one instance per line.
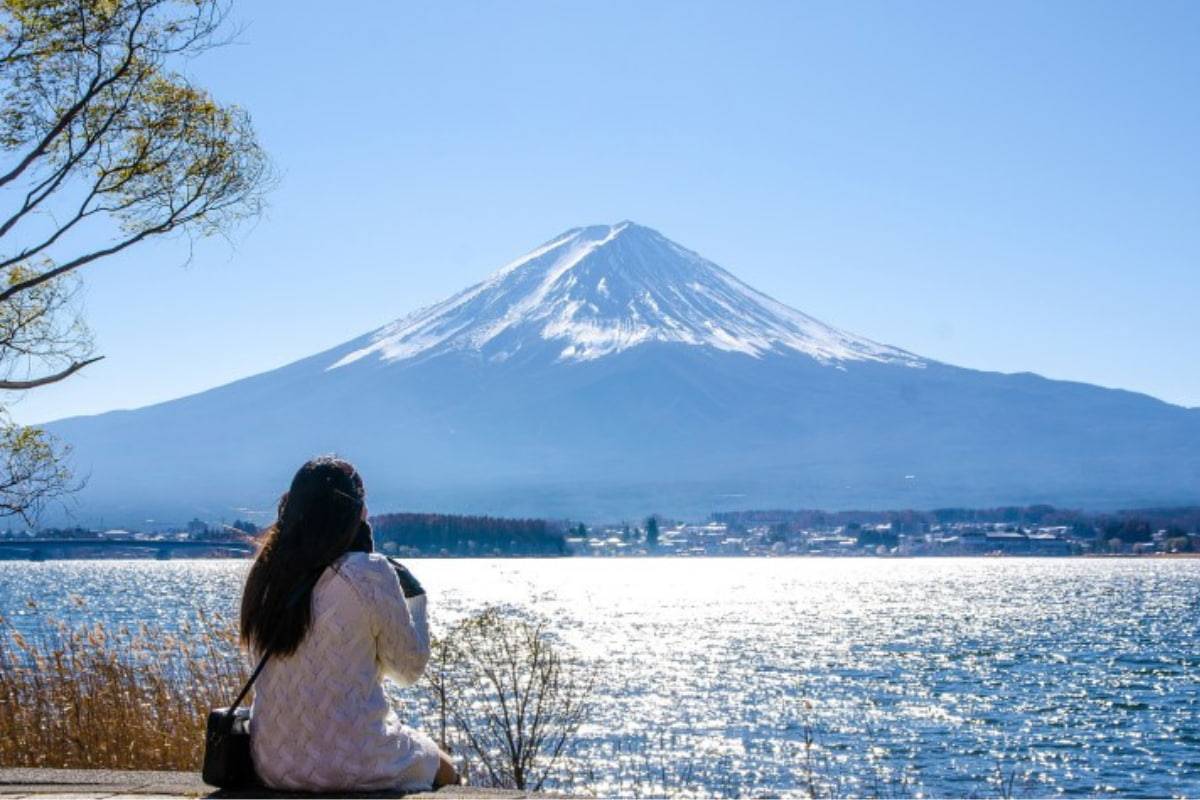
[97, 698]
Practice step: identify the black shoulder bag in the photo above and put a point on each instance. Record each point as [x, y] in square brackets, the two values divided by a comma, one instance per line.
[228, 763]
[227, 760]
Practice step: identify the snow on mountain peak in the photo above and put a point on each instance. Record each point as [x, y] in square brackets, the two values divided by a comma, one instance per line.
[602, 289]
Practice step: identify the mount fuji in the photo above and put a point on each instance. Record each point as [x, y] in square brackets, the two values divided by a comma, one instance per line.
[612, 373]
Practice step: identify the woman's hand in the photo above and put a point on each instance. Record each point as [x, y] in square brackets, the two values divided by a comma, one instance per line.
[408, 582]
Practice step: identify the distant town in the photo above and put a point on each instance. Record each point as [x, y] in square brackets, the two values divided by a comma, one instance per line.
[716, 538]
[1008, 531]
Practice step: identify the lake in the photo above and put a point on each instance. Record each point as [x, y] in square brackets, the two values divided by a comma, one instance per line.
[924, 677]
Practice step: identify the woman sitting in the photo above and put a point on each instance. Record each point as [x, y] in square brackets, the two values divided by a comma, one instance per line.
[336, 619]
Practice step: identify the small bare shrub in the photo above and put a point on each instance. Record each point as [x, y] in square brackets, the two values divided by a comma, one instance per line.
[502, 687]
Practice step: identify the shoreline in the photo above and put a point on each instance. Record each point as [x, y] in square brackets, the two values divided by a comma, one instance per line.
[94, 784]
[674, 556]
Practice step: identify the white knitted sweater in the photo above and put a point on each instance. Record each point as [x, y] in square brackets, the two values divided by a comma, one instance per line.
[320, 720]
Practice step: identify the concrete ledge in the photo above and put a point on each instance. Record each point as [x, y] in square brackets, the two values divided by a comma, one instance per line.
[94, 784]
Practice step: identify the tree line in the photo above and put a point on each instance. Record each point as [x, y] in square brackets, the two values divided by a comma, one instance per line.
[458, 535]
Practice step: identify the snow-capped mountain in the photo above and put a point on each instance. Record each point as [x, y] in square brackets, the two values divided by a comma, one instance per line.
[601, 290]
[612, 373]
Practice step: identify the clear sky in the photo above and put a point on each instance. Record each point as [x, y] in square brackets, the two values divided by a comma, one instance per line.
[1006, 186]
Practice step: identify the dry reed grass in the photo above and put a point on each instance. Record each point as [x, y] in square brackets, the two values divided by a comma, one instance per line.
[94, 697]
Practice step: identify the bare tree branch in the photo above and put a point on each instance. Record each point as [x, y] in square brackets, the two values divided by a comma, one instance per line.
[48, 379]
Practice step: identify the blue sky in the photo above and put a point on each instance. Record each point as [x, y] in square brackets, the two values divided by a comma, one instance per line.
[1006, 186]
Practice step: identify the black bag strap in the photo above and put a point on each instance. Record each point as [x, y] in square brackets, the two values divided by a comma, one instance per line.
[262, 662]
[300, 592]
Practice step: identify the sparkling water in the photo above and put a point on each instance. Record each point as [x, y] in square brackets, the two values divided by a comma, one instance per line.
[932, 677]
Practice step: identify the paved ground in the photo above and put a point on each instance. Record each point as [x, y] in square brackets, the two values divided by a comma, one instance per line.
[95, 784]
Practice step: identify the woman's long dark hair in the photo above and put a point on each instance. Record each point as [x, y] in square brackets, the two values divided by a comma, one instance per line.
[317, 520]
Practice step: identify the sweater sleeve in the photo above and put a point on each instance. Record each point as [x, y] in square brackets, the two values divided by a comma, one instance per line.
[400, 626]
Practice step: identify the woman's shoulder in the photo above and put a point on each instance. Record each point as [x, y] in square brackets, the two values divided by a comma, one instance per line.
[356, 559]
[371, 569]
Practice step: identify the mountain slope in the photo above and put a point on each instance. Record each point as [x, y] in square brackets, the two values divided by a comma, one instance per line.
[612, 373]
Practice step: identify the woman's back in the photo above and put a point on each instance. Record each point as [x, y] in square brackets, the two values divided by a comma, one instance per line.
[320, 719]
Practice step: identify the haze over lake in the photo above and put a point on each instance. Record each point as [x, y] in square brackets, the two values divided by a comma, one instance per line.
[935, 677]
